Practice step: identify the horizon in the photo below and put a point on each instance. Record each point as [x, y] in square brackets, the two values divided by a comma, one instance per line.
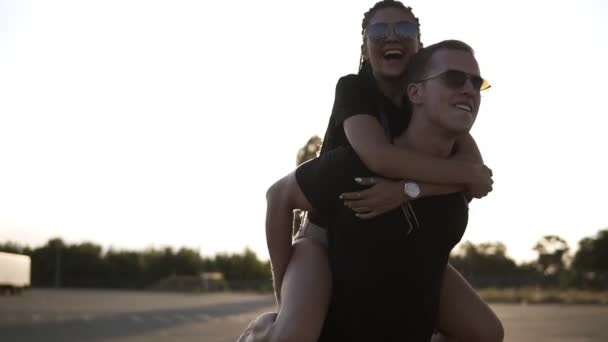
[110, 248]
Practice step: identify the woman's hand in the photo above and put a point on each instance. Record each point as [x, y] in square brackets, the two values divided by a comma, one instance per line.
[382, 196]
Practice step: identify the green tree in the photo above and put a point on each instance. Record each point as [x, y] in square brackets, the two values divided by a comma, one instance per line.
[188, 262]
[158, 264]
[12, 247]
[124, 269]
[488, 258]
[309, 151]
[591, 260]
[242, 270]
[46, 263]
[485, 264]
[82, 265]
[552, 251]
[592, 253]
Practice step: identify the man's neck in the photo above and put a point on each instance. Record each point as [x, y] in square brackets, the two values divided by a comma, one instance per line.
[425, 137]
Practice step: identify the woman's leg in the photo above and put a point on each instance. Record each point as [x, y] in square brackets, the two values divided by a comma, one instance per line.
[463, 315]
[305, 296]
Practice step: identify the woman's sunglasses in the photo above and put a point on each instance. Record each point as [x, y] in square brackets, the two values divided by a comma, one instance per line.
[402, 29]
[456, 79]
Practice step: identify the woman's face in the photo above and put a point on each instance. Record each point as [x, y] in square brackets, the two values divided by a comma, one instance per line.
[390, 40]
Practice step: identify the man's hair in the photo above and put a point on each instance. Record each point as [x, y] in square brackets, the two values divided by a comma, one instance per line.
[367, 17]
[421, 62]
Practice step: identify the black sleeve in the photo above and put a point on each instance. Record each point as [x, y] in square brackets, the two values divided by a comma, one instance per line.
[324, 178]
[354, 95]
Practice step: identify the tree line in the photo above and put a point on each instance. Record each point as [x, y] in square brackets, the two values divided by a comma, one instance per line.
[58, 264]
[488, 265]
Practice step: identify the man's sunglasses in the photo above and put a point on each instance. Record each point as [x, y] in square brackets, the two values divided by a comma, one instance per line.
[456, 79]
[402, 29]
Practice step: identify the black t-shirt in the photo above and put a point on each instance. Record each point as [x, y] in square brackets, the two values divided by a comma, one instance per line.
[359, 94]
[324, 178]
[385, 282]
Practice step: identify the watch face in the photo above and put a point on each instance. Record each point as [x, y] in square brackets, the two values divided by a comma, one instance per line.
[412, 190]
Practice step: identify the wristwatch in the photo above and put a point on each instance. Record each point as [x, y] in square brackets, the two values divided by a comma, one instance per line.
[411, 189]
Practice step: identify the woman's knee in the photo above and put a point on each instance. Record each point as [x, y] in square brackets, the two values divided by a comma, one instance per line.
[492, 331]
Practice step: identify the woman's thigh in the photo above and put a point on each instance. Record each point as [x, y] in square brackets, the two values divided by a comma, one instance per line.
[305, 292]
[463, 313]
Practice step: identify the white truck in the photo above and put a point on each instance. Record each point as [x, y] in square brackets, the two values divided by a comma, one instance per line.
[14, 272]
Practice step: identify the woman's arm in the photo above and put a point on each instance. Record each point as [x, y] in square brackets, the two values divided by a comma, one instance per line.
[384, 195]
[368, 139]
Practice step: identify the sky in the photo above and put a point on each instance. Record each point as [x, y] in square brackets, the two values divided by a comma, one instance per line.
[136, 124]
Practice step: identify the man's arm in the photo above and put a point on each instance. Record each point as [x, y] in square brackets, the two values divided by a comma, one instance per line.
[467, 149]
[281, 199]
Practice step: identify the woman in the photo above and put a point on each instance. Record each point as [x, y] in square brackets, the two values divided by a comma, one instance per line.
[389, 71]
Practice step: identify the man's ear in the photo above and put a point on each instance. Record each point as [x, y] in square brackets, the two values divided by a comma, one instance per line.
[415, 91]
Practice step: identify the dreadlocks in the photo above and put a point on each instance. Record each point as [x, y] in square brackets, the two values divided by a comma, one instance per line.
[372, 11]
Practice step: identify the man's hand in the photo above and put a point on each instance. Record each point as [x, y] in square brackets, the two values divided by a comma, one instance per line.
[479, 177]
[382, 196]
[481, 182]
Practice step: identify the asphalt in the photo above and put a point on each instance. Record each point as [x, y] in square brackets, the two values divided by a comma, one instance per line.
[131, 316]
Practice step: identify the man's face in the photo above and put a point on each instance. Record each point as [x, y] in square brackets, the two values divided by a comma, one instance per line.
[451, 100]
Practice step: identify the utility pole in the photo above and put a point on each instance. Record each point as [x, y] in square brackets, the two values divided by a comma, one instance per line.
[57, 265]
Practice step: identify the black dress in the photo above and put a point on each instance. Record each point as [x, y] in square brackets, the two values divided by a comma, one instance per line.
[387, 270]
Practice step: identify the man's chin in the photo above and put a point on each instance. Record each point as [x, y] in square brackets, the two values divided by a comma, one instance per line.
[458, 131]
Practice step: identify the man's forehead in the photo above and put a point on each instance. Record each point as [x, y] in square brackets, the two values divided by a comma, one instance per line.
[448, 59]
